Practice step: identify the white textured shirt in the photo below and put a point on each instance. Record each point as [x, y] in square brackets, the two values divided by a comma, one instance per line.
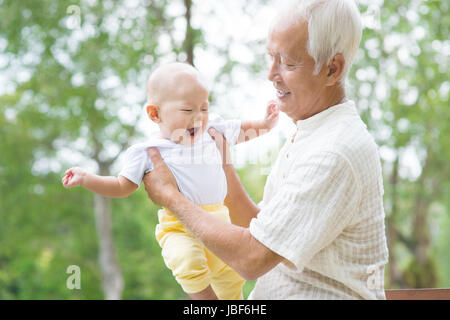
[197, 168]
[322, 210]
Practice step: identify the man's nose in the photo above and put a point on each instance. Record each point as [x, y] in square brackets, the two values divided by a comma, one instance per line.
[273, 72]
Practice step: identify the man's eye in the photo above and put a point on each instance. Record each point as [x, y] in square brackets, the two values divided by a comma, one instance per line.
[186, 110]
[205, 110]
[286, 62]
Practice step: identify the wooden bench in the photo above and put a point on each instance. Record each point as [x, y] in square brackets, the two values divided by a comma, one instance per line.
[418, 294]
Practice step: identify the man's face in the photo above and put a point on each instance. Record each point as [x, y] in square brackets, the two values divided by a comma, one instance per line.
[184, 115]
[291, 70]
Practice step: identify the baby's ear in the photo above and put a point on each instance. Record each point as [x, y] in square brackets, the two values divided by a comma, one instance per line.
[153, 113]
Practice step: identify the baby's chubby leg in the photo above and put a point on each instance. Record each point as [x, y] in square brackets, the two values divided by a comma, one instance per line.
[185, 256]
[206, 294]
[226, 282]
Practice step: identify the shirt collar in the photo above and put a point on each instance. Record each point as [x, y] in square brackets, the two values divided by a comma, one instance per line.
[311, 123]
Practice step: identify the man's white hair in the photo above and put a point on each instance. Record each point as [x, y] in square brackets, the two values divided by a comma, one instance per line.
[334, 26]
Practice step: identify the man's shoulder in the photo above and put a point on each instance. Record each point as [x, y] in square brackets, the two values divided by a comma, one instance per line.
[350, 136]
[350, 143]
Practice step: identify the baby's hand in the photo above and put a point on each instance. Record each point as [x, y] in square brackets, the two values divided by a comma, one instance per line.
[73, 178]
[272, 115]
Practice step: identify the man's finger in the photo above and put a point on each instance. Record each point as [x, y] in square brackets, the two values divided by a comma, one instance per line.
[218, 138]
[221, 144]
[154, 154]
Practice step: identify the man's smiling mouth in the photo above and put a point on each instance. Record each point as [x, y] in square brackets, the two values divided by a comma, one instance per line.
[282, 94]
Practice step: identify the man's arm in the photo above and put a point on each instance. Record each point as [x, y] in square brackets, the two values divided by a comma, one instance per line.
[241, 207]
[233, 244]
[110, 187]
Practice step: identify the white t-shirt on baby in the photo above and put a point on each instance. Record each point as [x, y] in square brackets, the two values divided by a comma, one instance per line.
[197, 168]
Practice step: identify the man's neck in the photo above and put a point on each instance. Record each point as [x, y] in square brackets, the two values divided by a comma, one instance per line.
[336, 96]
[333, 96]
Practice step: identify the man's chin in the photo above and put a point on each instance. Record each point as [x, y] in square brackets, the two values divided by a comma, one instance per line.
[289, 110]
[282, 105]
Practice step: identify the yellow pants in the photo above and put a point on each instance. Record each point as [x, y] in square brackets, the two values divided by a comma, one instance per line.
[195, 267]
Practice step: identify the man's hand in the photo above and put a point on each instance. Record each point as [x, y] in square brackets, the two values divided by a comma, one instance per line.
[272, 115]
[74, 177]
[160, 184]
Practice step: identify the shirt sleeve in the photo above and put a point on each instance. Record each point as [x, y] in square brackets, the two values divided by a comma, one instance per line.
[229, 128]
[313, 206]
[137, 163]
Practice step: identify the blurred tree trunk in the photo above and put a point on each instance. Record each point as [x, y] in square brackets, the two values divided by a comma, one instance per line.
[395, 275]
[421, 272]
[112, 280]
[189, 37]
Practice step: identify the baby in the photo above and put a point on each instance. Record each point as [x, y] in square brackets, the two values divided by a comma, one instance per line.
[177, 100]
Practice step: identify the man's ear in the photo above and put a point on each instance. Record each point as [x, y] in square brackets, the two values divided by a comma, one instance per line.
[335, 69]
[153, 113]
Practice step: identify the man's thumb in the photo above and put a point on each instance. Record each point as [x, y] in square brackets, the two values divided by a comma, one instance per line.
[153, 153]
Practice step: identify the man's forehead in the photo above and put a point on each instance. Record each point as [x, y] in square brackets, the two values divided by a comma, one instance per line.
[287, 38]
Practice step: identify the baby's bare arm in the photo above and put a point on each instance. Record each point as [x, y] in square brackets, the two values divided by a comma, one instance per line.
[251, 130]
[256, 128]
[110, 187]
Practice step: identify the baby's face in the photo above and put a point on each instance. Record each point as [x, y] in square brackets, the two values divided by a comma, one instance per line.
[184, 113]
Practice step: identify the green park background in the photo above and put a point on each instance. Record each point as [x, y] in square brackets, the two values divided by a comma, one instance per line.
[67, 71]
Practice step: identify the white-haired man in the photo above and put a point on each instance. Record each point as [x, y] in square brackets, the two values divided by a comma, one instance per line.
[319, 231]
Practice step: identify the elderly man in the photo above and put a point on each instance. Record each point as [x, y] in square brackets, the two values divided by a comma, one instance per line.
[319, 231]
